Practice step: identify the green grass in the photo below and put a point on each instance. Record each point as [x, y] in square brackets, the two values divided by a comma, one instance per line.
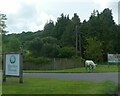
[99, 68]
[0, 85]
[54, 86]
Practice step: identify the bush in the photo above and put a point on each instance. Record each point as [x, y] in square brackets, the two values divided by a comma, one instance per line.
[66, 52]
[37, 60]
[79, 59]
[49, 50]
[93, 49]
[41, 60]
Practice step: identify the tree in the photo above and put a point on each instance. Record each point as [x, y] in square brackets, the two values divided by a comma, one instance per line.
[76, 23]
[64, 33]
[2, 23]
[14, 45]
[66, 52]
[68, 37]
[46, 46]
[48, 28]
[102, 26]
[35, 46]
[117, 40]
[50, 47]
[76, 19]
[60, 27]
[49, 50]
[2, 27]
[49, 40]
[93, 49]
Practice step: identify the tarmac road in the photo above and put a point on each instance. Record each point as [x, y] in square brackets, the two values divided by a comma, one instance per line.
[113, 76]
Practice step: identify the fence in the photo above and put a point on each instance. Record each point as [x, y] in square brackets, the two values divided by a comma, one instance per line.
[54, 64]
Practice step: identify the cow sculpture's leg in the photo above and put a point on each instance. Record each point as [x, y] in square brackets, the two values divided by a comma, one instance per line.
[88, 68]
[91, 68]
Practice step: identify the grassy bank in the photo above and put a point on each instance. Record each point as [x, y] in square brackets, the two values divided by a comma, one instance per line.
[56, 86]
[99, 68]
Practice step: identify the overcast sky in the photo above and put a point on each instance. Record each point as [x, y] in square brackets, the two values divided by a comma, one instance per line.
[31, 15]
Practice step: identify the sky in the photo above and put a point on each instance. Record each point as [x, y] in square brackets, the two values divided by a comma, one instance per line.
[32, 15]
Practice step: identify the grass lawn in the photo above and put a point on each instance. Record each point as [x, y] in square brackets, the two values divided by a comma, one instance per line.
[99, 68]
[56, 86]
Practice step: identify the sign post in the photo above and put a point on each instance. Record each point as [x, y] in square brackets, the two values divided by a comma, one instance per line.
[12, 66]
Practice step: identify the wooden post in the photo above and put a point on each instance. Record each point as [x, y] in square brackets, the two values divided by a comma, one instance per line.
[4, 76]
[80, 45]
[21, 73]
[21, 66]
[76, 40]
[66, 62]
[54, 64]
[108, 64]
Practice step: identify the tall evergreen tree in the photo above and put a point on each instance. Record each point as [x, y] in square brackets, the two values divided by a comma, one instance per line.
[68, 37]
[76, 23]
[48, 28]
[60, 26]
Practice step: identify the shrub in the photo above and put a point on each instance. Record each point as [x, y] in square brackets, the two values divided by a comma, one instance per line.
[93, 49]
[79, 59]
[41, 60]
[66, 52]
[37, 60]
[49, 50]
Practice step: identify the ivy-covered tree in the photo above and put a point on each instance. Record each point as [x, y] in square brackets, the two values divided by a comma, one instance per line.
[2, 23]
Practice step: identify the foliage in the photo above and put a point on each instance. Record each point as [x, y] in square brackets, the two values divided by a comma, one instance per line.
[35, 46]
[37, 60]
[2, 23]
[44, 47]
[48, 28]
[51, 41]
[66, 52]
[12, 45]
[76, 19]
[93, 49]
[68, 37]
[49, 50]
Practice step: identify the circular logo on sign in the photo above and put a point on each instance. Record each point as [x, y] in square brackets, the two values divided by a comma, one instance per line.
[12, 59]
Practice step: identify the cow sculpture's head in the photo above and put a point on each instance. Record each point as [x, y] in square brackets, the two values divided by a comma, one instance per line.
[94, 66]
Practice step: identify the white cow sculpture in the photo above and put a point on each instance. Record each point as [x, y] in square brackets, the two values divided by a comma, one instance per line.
[90, 65]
